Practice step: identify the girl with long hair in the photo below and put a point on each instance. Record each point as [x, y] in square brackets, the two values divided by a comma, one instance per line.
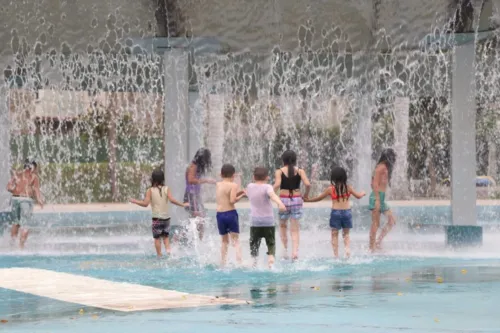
[288, 179]
[341, 216]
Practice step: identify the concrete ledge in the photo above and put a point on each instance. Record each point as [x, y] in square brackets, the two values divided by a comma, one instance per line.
[464, 235]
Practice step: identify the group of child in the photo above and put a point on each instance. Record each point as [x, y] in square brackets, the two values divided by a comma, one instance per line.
[261, 195]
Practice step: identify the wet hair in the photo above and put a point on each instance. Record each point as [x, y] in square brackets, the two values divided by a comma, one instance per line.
[260, 173]
[227, 171]
[203, 161]
[388, 157]
[338, 178]
[289, 159]
[30, 164]
[158, 179]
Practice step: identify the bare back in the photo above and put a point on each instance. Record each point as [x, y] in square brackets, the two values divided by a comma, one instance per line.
[380, 178]
[223, 196]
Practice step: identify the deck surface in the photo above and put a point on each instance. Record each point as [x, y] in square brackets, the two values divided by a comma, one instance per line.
[103, 294]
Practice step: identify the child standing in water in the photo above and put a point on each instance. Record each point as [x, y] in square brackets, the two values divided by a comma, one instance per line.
[158, 195]
[227, 194]
[287, 180]
[381, 178]
[24, 186]
[260, 194]
[201, 164]
[341, 215]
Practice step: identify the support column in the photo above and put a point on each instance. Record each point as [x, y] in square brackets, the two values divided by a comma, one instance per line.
[464, 230]
[196, 118]
[363, 168]
[401, 125]
[5, 163]
[176, 124]
[215, 137]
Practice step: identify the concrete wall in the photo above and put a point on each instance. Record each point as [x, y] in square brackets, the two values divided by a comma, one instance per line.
[76, 23]
[293, 24]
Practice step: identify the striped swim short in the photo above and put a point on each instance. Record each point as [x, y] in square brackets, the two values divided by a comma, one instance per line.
[293, 207]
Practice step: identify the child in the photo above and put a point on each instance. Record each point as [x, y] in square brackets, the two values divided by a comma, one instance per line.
[24, 185]
[260, 194]
[288, 179]
[227, 195]
[381, 178]
[199, 166]
[159, 195]
[341, 216]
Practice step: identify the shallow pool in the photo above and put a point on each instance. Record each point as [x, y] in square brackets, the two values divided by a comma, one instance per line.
[416, 285]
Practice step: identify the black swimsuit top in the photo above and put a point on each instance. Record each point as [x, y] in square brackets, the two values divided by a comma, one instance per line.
[290, 183]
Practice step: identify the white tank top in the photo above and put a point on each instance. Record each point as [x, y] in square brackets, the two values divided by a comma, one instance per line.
[159, 203]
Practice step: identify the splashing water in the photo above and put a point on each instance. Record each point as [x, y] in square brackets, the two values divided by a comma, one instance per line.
[327, 79]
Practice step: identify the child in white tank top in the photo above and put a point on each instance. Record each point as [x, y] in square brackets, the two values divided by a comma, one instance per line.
[158, 195]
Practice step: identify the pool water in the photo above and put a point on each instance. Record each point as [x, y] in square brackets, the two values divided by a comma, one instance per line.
[415, 285]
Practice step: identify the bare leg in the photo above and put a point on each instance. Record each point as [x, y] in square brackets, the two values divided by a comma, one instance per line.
[14, 231]
[335, 242]
[158, 247]
[223, 250]
[270, 261]
[24, 238]
[284, 236]
[374, 229]
[235, 239]
[166, 242]
[347, 242]
[391, 221]
[295, 231]
[200, 226]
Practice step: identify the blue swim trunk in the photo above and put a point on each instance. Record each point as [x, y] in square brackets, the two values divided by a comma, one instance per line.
[341, 219]
[228, 222]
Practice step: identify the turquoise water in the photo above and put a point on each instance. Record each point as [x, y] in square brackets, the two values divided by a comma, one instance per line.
[365, 294]
[391, 292]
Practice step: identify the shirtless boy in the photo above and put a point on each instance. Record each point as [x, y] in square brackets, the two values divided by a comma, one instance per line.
[23, 185]
[227, 194]
[381, 179]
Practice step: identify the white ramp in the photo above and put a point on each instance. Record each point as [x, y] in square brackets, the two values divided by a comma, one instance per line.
[103, 294]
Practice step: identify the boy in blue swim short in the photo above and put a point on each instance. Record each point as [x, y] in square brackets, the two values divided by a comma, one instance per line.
[227, 193]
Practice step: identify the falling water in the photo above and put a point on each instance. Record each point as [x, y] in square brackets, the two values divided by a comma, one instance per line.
[335, 81]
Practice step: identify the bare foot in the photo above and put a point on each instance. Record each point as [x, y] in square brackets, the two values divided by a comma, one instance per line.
[347, 253]
[270, 262]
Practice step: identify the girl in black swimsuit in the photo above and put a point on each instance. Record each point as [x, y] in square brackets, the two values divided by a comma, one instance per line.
[288, 180]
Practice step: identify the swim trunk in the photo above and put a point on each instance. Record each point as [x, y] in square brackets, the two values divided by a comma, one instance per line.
[22, 210]
[341, 219]
[293, 207]
[195, 208]
[256, 235]
[384, 207]
[161, 228]
[228, 222]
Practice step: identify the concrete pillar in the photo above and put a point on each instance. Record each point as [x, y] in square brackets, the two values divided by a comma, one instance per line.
[176, 124]
[363, 168]
[5, 163]
[463, 150]
[401, 125]
[215, 130]
[196, 123]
